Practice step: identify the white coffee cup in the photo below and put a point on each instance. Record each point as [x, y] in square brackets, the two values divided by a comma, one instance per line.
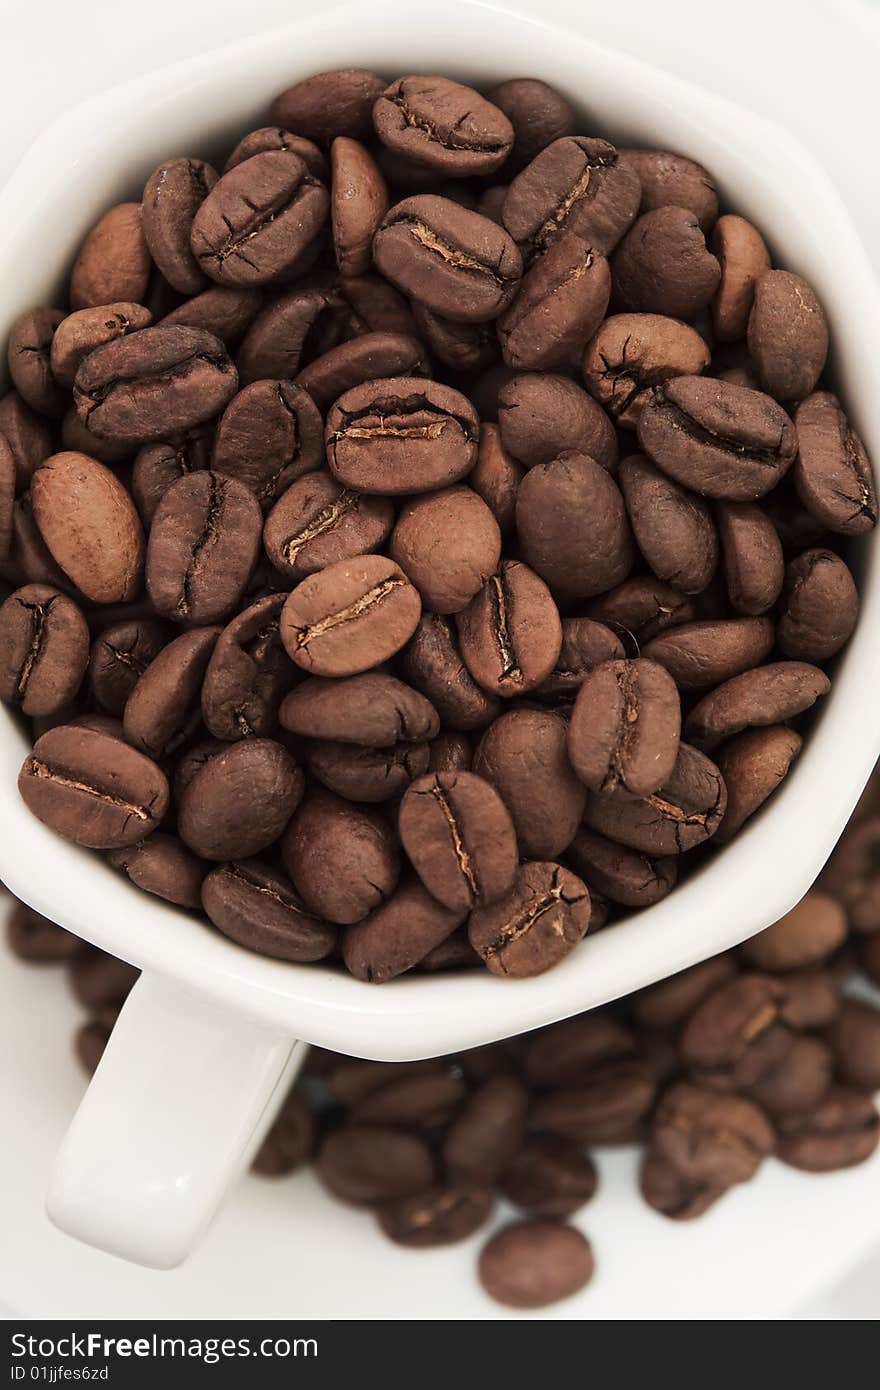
[206, 1044]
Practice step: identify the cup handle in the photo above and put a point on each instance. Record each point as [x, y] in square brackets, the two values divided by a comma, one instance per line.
[180, 1102]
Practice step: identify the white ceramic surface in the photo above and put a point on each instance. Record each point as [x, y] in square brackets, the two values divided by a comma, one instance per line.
[85, 162]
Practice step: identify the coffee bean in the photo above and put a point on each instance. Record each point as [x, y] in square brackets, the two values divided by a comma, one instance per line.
[496, 477]
[351, 616]
[533, 1263]
[854, 1037]
[92, 788]
[811, 999]
[544, 916]
[374, 709]
[317, 522]
[523, 755]
[226, 311]
[366, 774]
[585, 644]
[29, 559]
[399, 934]
[541, 416]
[258, 220]
[113, 262]
[343, 859]
[257, 907]
[832, 472]
[82, 332]
[753, 764]
[450, 753]
[484, 1138]
[641, 607]
[510, 633]
[673, 528]
[462, 347]
[239, 802]
[768, 694]
[79, 439]
[538, 113]
[459, 838]
[358, 202]
[698, 655]
[710, 1139]
[443, 125]
[447, 543]
[100, 982]
[173, 194]
[717, 439]
[608, 1107]
[7, 497]
[28, 436]
[662, 265]
[433, 663]
[843, 1130]
[787, 335]
[820, 606]
[794, 1075]
[273, 137]
[151, 383]
[671, 1194]
[623, 875]
[631, 354]
[572, 525]
[163, 709]
[248, 674]
[666, 1005]
[290, 1141]
[349, 1079]
[268, 435]
[203, 546]
[671, 180]
[157, 466]
[438, 1216]
[566, 1051]
[576, 184]
[721, 1029]
[90, 526]
[558, 307]
[743, 257]
[44, 645]
[752, 552]
[329, 104]
[360, 360]
[851, 873]
[625, 727]
[550, 1177]
[686, 810]
[401, 435]
[28, 356]
[364, 1164]
[413, 1102]
[163, 866]
[33, 938]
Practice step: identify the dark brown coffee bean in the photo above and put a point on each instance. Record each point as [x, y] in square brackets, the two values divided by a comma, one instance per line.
[258, 220]
[258, 908]
[806, 935]
[462, 347]
[538, 113]
[433, 663]
[541, 415]
[329, 104]
[268, 435]
[483, 1140]
[367, 774]
[666, 1005]
[289, 1142]
[625, 727]
[44, 643]
[698, 655]
[576, 184]
[248, 674]
[743, 257]
[854, 1037]
[769, 694]
[92, 788]
[343, 859]
[152, 383]
[585, 644]
[572, 525]
[317, 522]
[753, 560]
[82, 332]
[373, 709]
[793, 1073]
[550, 1177]
[567, 1051]
[623, 875]
[840, 1132]
[350, 1079]
[787, 335]
[413, 1102]
[459, 838]
[239, 802]
[226, 311]
[101, 983]
[662, 265]
[163, 866]
[33, 938]
[642, 607]
[157, 466]
[608, 1107]
[534, 1263]
[113, 262]
[173, 194]
[29, 560]
[558, 307]
[399, 934]
[364, 1164]
[90, 526]
[28, 436]
[163, 710]
[710, 1139]
[28, 356]
[536, 925]
[359, 360]
[718, 439]
[78, 438]
[726, 1023]
[753, 764]
[439, 1216]
[811, 999]
[273, 137]
[686, 810]
[443, 125]
[668, 1192]
[673, 528]
[632, 353]
[671, 180]
[447, 543]
[203, 545]
[820, 607]
[496, 478]
[450, 753]
[833, 473]
[358, 202]
[523, 755]
[401, 435]
[351, 616]
[511, 633]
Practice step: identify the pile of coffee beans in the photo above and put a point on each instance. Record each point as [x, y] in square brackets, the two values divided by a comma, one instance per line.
[425, 529]
[773, 1049]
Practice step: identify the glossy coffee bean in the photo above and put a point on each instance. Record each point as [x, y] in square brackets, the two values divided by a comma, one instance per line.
[365, 1164]
[88, 521]
[768, 694]
[625, 727]
[544, 916]
[685, 812]
[523, 755]
[258, 908]
[673, 528]
[534, 1263]
[443, 125]
[542, 415]
[351, 616]
[113, 262]
[576, 184]
[558, 306]
[318, 522]
[632, 353]
[163, 866]
[374, 709]
[239, 802]
[248, 674]
[752, 556]
[459, 837]
[753, 764]
[398, 934]
[343, 859]
[268, 435]
[572, 525]
[832, 473]
[438, 1216]
[44, 643]
[163, 709]
[787, 335]
[743, 257]
[663, 266]
[510, 634]
[455, 524]
[820, 606]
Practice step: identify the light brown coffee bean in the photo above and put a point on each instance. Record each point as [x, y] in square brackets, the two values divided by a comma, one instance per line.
[90, 526]
[351, 616]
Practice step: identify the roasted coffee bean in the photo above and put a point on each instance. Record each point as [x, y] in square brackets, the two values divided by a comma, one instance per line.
[710, 1139]
[787, 335]
[722, 1028]
[248, 674]
[811, 999]
[625, 727]
[632, 353]
[258, 220]
[92, 788]
[163, 710]
[496, 477]
[349, 1079]
[753, 560]
[567, 1051]
[843, 1130]
[558, 307]
[268, 435]
[203, 545]
[768, 694]
[541, 415]
[576, 184]
[462, 347]
[585, 644]
[820, 607]
[273, 137]
[351, 616]
[447, 543]
[853, 873]
[398, 934]
[753, 764]
[538, 113]
[673, 528]
[793, 1075]
[534, 927]
[686, 810]
[28, 356]
[401, 435]
[343, 859]
[443, 125]
[641, 607]
[669, 1003]
[27, 434]
[366, 774]
[113, 262]
[662, 265]
[523, 755]
[458, 264]
[329, 104]
[460, 839]
[533, 1263]
[374, 709]
[717, 439]
[413, 1102]
[673, 1195]
[743, 257]
[258, 908]
[609, 1105]
[698, 655]
[621, 874]
[450, 753]
[572, 525]
[157, 466]
[363, 359]
[550, 1177]
[7, 497]
[29, 558]
[485, 1137]
[33, 938]
[290, 1141]
[239, 802]
[317, 522]
[439, 1216]
[832, 472]
[226, 311]
[854, 1038]
[433, 663]
[510, 633]
[44, 644]
[358, 202]
[151, 383]
[365, 1164]
[101, 983]
[163, 866]
[173, 194]
[82, 332]
[671, 180]
[90, 526]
